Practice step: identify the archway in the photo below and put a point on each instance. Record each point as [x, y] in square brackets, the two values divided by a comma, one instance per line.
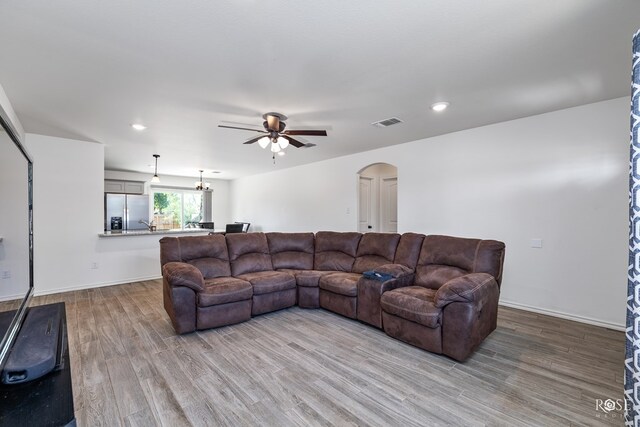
[378, 198]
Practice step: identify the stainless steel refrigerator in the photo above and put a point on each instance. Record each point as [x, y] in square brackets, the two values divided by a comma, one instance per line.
[130, 208]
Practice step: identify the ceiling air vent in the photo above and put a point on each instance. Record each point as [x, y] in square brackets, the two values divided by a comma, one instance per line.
[387, 122]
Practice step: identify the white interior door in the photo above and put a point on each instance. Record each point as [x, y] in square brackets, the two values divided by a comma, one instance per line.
[365, 205]
[389, 204]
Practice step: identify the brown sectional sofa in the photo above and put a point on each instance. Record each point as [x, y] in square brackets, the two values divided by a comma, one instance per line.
[439, 293]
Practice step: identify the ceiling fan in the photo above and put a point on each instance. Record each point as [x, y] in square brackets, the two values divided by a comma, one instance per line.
[274, 133]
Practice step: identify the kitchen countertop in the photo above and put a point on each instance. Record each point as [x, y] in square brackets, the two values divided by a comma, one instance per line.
[159, 232]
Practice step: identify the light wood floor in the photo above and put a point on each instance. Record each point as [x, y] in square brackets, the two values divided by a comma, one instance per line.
[313, 367]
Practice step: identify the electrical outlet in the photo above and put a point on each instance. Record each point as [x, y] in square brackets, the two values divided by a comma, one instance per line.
[6, 274]
[94, 265]
[348, 211]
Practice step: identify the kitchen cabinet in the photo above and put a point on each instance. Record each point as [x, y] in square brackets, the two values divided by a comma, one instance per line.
[124, 187]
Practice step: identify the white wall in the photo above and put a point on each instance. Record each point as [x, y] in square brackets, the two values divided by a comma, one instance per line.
[7, 111]
[561, 177]
[67, 210]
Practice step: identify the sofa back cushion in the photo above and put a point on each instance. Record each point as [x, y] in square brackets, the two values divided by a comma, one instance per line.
[207, 253]
[248, 253]
[443, 258]
[409, 250]
[291, 250]
[374, 250]
[490, 259]
[335, 251]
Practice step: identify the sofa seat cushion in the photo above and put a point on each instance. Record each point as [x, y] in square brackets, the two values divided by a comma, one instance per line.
[266, 282]
[341, 283]
[291, 271]
[223, 290]
[310, 278]
[413, 303]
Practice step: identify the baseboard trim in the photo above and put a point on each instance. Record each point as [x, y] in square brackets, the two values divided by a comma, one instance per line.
[95, 285]
[13, 297]
[562, 315]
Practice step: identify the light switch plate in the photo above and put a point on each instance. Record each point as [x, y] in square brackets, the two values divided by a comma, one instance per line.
[536, 243]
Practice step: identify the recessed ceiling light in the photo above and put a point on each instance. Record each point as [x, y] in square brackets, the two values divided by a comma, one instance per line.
[440, 106]
[138, 126]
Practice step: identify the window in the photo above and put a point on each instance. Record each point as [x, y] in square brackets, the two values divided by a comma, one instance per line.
[177, 209]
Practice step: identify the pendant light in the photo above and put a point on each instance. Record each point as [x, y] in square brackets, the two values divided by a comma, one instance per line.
[155, 178]
[202, 185]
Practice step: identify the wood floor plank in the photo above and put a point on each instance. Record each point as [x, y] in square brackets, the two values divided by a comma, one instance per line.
[143, 418]
[304, 367]
[228, 407]
[128, 393]
[200, 414]
[99, 408]
[94, 369]
[166, 410]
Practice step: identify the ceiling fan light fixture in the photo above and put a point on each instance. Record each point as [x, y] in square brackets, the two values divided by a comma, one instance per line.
[283, 142]
[281, 153]
[275, 135]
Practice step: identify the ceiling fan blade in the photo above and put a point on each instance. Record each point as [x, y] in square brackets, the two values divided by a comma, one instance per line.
[306, 132]
[273, 123]
[292, 141]
[252, 140]
[235, 127]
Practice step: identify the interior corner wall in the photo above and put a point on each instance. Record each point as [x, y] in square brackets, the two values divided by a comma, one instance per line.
[67, 210]
[561, 177]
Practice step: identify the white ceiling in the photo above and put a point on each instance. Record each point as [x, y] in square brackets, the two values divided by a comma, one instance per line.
[87, 69]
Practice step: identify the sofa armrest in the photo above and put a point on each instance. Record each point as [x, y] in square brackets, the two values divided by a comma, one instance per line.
[383, 286]
[369, 292]
[472, 287]
[394, 270]
[183, 274]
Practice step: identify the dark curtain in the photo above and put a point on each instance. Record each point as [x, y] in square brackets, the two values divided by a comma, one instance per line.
[632, 351]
